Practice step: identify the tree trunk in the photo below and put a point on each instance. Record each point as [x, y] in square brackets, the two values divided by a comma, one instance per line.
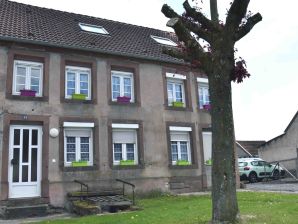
[224, 198]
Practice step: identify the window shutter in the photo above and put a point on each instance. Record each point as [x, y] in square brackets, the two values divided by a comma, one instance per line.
[179, 136]
[78, 133]
[121, 136]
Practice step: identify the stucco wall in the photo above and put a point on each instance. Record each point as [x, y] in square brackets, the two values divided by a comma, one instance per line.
[282, 148]
[156, 173]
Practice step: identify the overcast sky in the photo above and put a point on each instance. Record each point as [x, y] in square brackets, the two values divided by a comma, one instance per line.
[265, 103]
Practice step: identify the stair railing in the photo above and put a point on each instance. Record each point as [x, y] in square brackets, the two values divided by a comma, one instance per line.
[82, 185]
[123, 189]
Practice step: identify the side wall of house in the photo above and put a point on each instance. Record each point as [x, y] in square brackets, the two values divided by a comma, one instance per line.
[283, 149]
[156, 172]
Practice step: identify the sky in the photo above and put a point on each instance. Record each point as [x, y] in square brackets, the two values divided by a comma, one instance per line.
[265, 103]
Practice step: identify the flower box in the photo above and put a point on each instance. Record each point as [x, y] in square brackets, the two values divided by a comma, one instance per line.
[208, 162]
[178, 104]
[123, 99]
[79, 163]
[27, 92]
[206, 106]
[127, 162]
[182, 163]
[78, 96]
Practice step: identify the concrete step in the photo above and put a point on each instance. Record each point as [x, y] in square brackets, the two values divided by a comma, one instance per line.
[16, 212]
[24, 202]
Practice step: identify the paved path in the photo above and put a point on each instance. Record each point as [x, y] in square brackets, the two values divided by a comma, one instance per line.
[274, 186]
[37, 219]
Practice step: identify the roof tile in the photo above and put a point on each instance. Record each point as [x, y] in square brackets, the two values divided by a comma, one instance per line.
[57, 28]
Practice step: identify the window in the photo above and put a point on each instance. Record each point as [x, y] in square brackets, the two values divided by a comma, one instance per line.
[93, 28]
[122, 86]
[125, 147]
[203, 91]
[180, 145]
[78, 145]
[27, 76]
[77, 81]
[175, 89]
[207, 147]
[164, 41]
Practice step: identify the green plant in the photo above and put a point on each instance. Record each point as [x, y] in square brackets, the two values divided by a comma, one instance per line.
[178, 104]
[183, 163]
[79, 163]
[208, 162]
[127, 162]
[78, 96]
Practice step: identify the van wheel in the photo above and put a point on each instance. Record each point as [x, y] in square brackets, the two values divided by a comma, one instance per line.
[253, 178]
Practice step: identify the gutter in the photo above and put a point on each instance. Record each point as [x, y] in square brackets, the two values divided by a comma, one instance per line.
[48, 44]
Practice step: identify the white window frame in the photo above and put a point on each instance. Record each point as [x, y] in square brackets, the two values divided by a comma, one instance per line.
[78, 147]
[123, 145]
[93, 28]
[164, 41]
[122, 75]
[78, 71]
[203, 86]
[178, 145]
[28, 65]
[175, 82]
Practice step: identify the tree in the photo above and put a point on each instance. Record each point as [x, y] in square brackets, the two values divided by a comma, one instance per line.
[219, 63]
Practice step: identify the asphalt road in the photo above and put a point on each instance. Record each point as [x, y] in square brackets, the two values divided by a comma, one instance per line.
[285, 185]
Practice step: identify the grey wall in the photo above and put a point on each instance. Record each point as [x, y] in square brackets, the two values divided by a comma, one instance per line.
[283, 148]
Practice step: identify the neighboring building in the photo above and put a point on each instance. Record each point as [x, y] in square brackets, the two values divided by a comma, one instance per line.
[242, 152]
[283, 148]
[92, 99]
[252, 146]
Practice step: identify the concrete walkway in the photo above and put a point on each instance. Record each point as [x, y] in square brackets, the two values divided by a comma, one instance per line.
[37, 219]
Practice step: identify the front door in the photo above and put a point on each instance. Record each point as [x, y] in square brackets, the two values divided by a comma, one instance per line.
[24, 161]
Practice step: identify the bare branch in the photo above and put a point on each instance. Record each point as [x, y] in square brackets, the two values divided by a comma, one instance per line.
[194, 49]
[198, 16]
[192, 26]
[168, 11]
[236, 13]
[246, 28]
[213, 10]
[197, 29]
[175, 53]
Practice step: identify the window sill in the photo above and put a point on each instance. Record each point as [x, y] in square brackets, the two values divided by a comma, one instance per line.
[78, 168]
[174, 167]
[115, 103]
[63, 100]
[127, 167]
[178, 108]
[203, 110]
[27, 98]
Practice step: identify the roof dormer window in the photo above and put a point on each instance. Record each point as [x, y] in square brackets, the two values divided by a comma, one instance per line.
[93, 28]
[164, 41]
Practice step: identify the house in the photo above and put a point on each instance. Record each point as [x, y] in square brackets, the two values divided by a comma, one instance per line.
[94, 100]
[242, 152]
[283, 148]
[251, 146]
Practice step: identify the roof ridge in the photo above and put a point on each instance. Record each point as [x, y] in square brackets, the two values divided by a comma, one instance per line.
[92, 17]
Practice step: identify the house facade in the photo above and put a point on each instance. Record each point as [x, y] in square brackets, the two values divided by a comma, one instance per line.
[283, 148]
[89, 99]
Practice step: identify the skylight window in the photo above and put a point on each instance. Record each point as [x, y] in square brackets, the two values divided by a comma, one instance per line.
[93, 28]
[164, 41]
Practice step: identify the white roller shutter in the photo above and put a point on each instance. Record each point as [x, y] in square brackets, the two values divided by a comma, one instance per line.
[124, 136]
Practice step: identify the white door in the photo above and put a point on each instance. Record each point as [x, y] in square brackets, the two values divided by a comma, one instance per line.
[24, 161]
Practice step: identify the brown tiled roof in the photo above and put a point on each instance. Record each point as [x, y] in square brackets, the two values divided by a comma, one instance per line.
[31, 24]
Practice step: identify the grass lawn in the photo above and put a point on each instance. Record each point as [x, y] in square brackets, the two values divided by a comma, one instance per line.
[269, 208]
